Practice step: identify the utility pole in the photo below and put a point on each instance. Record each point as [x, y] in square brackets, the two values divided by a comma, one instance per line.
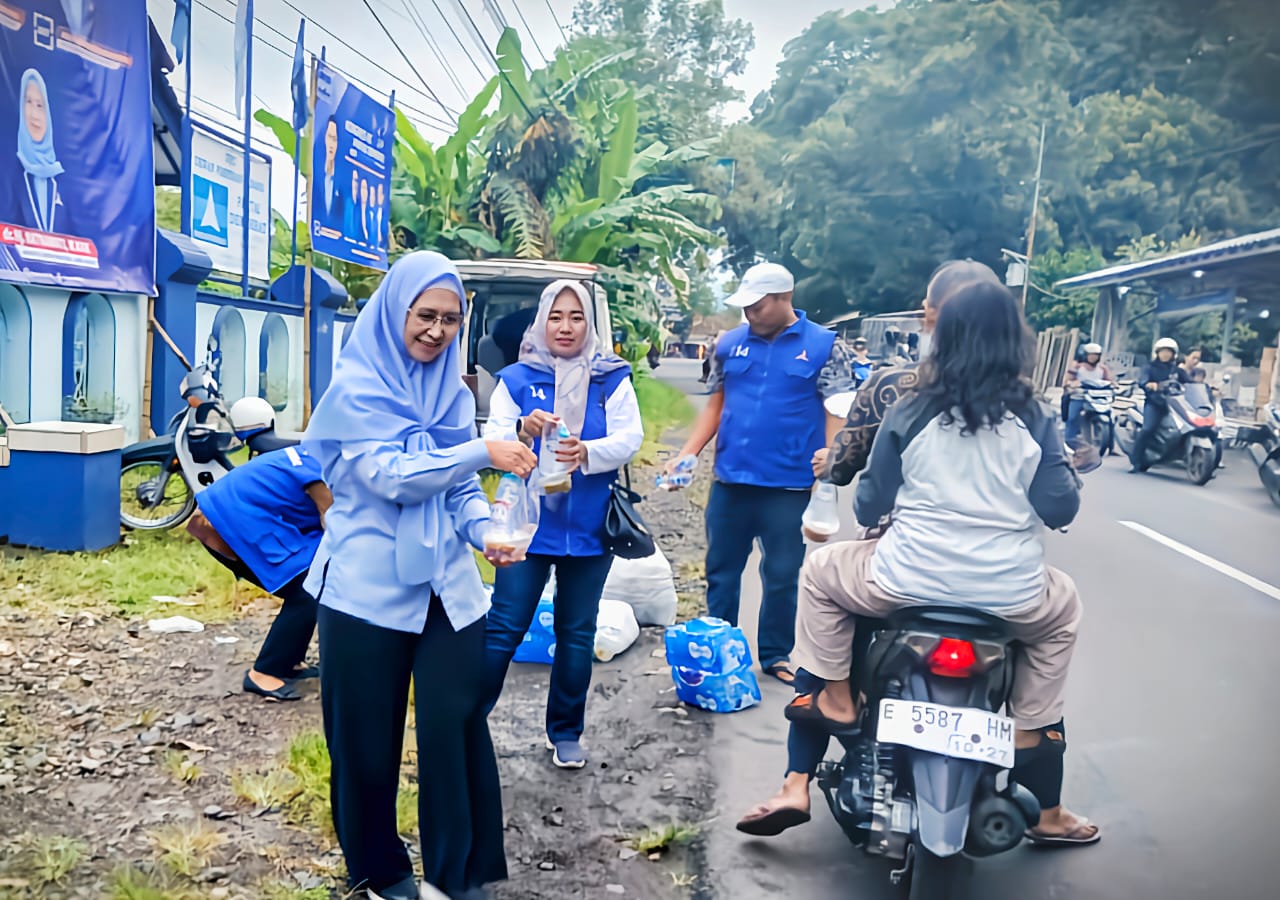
[1035, 207]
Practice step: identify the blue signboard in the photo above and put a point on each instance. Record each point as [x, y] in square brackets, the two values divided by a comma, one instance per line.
[77, 195]
[350, 172]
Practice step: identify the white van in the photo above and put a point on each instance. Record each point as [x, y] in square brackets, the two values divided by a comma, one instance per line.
[503, 296]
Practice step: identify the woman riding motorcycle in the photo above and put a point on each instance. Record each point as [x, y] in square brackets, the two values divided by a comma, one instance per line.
[1162, 368]
[969, 469]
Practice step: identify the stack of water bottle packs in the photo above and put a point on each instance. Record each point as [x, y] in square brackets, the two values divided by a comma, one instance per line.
[711, 665]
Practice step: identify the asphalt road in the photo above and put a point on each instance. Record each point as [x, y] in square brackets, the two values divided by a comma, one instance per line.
[1172, 717]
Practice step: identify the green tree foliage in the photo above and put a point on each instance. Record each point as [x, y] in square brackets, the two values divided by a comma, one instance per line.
[893, 139]
[683, 54]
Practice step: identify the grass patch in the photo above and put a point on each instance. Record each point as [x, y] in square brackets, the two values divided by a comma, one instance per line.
[407, 809]
[267, 790]
[299, 786]
[308, 762]
[282, 890]
[690, 606]
[47, 859]
[124, 577]
[187, 847]
[130, 883]
[181, 768]
[664, 837]
[662, 407]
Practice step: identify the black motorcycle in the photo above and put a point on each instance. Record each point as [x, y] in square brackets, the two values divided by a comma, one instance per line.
[1264, 447]
[160, 477]
[1188, 433]
[918, 782]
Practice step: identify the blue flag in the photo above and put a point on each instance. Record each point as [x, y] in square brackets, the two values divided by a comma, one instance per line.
[181, 27]
[299, 83]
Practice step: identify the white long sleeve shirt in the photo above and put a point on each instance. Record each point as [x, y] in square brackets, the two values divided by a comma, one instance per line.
[625, 430]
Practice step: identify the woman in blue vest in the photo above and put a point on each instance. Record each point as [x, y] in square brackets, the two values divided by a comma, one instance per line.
[399, 591]
[263, 520]
[564, 373]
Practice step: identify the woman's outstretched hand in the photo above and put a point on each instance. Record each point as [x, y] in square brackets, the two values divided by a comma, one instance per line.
[511, 456]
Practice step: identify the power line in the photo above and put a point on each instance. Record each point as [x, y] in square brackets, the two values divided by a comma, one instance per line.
[288, 53]
[435, 47]
[408, 62]
[533, 37]
[556, 19]
[494, 57]
[453, 31]
[398, 78]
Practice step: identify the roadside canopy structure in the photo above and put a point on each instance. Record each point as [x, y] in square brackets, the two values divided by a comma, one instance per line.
[1225, 276]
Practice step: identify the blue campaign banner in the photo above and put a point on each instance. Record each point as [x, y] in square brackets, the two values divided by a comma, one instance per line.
[350, 172]
[77, 178]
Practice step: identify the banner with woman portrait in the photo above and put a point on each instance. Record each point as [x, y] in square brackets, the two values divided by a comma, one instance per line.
[77, 195]
[350, 172]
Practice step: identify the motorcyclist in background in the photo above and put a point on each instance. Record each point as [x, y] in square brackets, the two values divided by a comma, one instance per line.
[861, 362]
[1091, 369]
[1163, 367]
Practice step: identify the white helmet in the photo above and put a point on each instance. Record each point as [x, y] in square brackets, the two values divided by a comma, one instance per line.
[1165, 344]
[1091, 349]
[251, 415]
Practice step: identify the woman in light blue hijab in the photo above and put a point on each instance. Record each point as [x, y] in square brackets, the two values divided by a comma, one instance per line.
[399, 591]
[39, 160]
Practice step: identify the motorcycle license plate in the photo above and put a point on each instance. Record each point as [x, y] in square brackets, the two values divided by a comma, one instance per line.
[947, 730]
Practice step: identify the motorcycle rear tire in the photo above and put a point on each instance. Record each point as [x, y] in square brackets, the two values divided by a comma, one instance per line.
[1269, 472]
[936, 877]
[1201, 464]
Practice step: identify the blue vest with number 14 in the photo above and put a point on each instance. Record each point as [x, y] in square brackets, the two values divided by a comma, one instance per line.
[773, 420]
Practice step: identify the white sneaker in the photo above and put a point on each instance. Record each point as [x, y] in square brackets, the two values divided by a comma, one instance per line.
[430, 892]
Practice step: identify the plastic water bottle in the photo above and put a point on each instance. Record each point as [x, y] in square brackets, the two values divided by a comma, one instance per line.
[508, 496]
[681, 474]
[555, 474]
[822, 515]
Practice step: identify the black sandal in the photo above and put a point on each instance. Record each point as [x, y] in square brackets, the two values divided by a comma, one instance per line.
[804, 711]
[283, 693]
[773, 822]
[781, 671]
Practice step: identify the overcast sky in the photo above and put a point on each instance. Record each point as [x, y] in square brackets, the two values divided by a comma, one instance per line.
[355, 42]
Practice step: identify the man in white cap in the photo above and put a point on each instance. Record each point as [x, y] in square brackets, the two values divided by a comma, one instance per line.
[769, 380]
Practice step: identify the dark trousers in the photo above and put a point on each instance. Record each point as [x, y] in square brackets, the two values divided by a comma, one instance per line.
[364, 676]
[286, 643]
[1152, 417]
[737, 514]
[516, 590]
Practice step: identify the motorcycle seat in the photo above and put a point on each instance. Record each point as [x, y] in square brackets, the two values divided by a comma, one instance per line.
[952, 621]
[266, 441]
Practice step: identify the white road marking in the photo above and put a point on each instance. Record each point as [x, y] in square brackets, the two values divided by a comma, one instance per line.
[1230, 571]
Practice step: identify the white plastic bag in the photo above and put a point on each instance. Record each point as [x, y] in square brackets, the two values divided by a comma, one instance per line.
[647, 585]
[616, 629]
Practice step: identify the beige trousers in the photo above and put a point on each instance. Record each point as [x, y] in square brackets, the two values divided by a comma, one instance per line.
[836, 585]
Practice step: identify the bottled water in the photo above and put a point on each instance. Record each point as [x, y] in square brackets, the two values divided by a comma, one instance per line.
[556, 478]
[681, 474]
[822, 515]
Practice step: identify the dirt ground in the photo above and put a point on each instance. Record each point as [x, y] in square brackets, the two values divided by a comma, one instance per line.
[133, 767]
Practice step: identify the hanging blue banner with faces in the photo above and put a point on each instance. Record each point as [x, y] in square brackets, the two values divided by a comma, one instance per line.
[350, 172]
[77, 178]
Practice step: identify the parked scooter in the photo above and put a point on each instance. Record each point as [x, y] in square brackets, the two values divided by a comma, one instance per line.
[918, 783]
[160, 477]
[1264, 446]
[1188, 434]
[1097, 426]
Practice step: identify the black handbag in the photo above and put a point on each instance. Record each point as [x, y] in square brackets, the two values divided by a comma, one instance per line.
[625, 533]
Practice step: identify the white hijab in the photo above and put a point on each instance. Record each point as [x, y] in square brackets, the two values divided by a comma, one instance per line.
[573, 373]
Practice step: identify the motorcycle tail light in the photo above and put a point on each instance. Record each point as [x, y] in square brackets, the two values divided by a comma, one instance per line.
[193, 401]
[1202, 421]
[953, 658]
